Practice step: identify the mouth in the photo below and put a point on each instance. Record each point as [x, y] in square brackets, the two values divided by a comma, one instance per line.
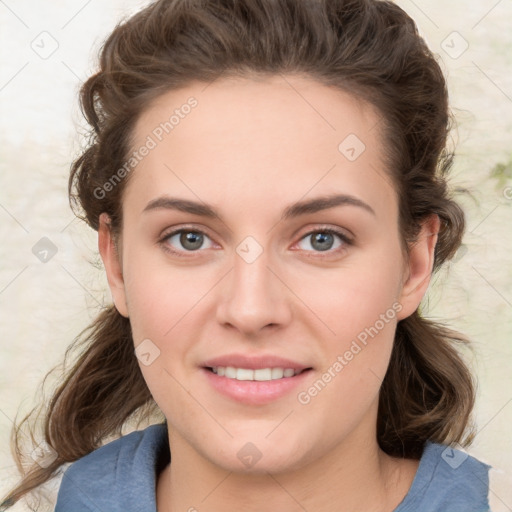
[258, 386]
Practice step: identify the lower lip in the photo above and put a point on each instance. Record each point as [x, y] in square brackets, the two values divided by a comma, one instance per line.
[255, 392]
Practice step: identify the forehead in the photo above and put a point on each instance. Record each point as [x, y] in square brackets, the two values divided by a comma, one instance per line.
[253, 140]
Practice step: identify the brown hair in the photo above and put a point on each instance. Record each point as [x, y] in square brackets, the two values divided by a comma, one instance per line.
[368, 48]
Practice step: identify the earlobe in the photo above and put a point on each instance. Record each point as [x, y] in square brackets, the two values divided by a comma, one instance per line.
[420, 265]
[112, 263]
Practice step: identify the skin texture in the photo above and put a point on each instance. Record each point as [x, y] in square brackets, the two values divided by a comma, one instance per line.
[250, 148]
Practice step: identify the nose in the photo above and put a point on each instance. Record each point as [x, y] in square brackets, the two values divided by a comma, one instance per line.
[254, 297]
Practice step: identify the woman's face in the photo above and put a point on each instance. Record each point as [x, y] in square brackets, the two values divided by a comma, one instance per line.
[275, 274]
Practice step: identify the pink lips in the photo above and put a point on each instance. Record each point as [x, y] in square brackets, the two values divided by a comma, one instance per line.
[254, 392]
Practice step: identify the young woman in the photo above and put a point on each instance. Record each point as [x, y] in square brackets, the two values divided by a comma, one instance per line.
[267, 179]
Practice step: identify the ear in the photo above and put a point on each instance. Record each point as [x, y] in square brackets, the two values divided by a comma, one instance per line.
[419, 267]
[112, 263]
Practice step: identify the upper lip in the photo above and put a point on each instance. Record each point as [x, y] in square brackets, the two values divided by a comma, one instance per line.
[254, 362]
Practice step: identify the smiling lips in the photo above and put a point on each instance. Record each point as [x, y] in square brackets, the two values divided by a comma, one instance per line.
[254, 380]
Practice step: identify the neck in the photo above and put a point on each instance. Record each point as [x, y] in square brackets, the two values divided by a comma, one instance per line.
[355, 475]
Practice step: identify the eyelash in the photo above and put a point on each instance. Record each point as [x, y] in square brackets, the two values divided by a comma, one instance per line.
[189, 229]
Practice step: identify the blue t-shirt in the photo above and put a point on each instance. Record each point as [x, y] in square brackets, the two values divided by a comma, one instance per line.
[121, 476]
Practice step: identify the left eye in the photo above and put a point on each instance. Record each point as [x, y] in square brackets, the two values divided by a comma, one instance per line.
[192, 240]
[323, 240]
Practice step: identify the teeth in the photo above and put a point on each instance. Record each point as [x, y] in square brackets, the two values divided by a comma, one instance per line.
[247, 374]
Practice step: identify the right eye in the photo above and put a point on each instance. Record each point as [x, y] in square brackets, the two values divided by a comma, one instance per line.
[190, 240]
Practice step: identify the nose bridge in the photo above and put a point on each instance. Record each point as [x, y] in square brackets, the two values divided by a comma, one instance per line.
[253, 297]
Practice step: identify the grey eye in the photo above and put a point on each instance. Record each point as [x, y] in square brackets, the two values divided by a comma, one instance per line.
[188, 239]
[324, 240]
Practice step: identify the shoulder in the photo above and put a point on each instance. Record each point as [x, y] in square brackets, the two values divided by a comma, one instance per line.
[448, 479]
[120, 472]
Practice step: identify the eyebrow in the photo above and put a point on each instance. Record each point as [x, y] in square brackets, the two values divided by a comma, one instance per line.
[294, 210]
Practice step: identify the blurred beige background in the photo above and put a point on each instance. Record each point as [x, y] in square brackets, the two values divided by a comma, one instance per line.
[48, 48]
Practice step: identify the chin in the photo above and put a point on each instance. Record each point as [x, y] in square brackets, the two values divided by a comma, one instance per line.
[259, 457]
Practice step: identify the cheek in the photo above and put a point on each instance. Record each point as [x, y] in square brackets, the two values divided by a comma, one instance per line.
[363, 317]
[159, 296]
[353, 298]
[360, 315]
[166, 307]
[162, 308]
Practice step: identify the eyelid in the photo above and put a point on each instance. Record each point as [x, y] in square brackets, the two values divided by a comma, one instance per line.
[344, 233]
[168, 232]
